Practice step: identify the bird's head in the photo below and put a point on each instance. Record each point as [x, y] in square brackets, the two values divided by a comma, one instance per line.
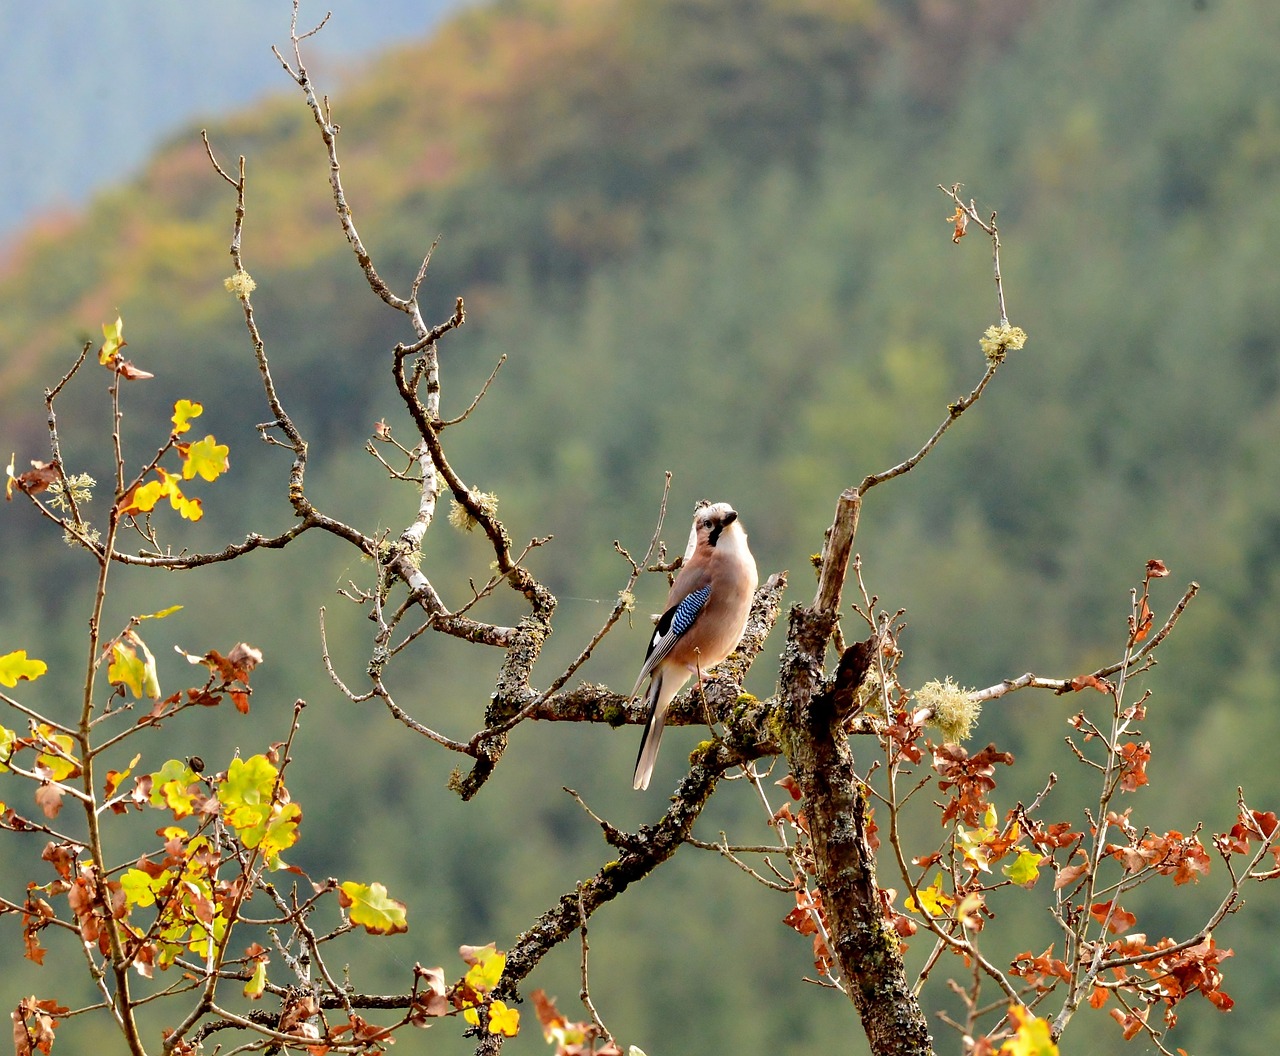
[711, 522]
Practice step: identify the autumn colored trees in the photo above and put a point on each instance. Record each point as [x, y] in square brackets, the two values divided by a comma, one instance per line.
[211, 929]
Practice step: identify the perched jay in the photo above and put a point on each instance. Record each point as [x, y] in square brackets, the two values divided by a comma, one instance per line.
[706, 615]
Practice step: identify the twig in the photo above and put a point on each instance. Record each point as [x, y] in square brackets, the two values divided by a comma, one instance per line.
[479, 396]
[1065, 685]
[584, 994]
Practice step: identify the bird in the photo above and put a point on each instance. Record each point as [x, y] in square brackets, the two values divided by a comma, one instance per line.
[705, 618]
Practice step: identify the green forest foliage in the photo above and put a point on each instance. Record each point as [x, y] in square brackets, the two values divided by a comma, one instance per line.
[707, 236]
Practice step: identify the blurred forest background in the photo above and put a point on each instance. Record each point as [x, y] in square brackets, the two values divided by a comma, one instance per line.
[101, 84]
[708, 237]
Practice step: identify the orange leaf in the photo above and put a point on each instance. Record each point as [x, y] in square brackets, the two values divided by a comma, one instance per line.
[1145, 618]
[1116, 917]
[1129, 1024]
[1134, 759]
[548, 1015]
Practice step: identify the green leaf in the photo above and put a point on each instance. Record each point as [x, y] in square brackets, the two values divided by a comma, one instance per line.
[112, 341]
[188, 508]
[277, 832]
[171, 788]
[198, 941]
[15, 667]
[143, 498]
[1031, 1036]
[502, 1020]
[373, 909]
[136, 672]
[1025, 869]
[7, 739]
[257, 983]
[58, 764]
[248, 787]
[262, 816]
[140, 887]
[487, 963]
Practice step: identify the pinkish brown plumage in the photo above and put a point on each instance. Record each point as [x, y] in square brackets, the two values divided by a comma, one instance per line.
[703, 623]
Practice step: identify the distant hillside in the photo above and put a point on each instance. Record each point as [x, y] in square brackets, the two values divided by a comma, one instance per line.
[98, 83]
[708, 237]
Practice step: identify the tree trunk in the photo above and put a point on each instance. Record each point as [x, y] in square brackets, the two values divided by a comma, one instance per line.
[864, 945]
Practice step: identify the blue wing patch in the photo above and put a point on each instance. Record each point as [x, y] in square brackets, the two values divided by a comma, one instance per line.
[687, 611]
[671, 628]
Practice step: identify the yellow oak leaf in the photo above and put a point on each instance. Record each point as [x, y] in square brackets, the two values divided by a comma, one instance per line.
[183, 412]
[372, 908]
[206, 457]
[1031, 1036]
[16, 666]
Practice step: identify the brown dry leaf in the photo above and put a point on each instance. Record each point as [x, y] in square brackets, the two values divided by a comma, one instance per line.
[244, 658]
[297, 1010]
[1116, 917]
[789, 783]
[548, 1015]
[36, 479]
[1069, 875]
[60, 856]
[801, 918]
[129, 372]
[1092, 681]
[49, 799]
[1042, 972]
[961, 220]
[432, 997]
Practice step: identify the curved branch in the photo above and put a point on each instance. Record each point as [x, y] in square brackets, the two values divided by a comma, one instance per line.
[641, 854]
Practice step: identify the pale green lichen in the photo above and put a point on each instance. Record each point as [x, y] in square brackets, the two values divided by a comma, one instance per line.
[463, 519]
[241, 284]
[954, 710]
[1001, 339]
[80, 487]
[85, 536]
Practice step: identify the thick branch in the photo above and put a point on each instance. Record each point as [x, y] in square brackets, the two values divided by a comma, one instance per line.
[865, 947]
[641, 855]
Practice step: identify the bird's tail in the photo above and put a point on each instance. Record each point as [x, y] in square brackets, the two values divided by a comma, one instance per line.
[657, 708]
